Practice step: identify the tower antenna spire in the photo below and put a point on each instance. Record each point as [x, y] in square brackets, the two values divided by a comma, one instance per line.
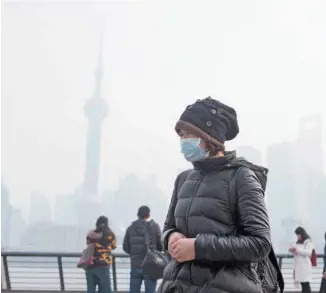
[99, 69]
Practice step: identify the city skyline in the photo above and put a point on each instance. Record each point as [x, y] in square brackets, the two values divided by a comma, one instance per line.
[260, 58]
[292, 181]
[262, 153]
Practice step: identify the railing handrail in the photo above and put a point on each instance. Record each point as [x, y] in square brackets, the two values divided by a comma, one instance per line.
[50, 254]
[78, 254]
[7, 255]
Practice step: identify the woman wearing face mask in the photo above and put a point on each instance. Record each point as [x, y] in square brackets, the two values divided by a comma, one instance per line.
[217, 229]
[302, 252]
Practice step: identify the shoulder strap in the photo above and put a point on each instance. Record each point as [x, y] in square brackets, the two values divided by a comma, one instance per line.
[182, 179]
[170, 221]
[147, 237]
[271, 256]
[232, 191]
[146, 234]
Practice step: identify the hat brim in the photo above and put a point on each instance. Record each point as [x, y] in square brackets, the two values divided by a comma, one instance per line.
[186, 126]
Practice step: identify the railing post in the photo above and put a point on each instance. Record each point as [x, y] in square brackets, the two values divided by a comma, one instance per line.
[62, 282]
[280, 262]
[3, 276]
[114, 274]
[6, 272]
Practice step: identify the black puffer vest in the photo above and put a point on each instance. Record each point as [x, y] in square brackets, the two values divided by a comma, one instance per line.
[203, 208]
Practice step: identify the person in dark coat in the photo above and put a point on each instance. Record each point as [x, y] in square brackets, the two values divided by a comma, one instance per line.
[134, 244]
[217, 227]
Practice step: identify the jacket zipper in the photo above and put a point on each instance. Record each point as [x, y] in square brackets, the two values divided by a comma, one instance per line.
[189, 205]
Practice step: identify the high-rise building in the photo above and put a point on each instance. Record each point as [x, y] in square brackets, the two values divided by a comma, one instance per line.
[310, 178]
[6, 214]
[251, 154]
[12, 222]
[65, 210]
[17, 226]
[310, 144]
[295, 181]
[40, 209]
[281, 187]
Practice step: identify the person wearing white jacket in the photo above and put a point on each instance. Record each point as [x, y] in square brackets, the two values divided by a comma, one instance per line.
[302, 252]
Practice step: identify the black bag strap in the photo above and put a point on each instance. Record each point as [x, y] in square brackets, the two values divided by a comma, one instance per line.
[233, 190]
[182, 179]
[271, 255]
[146, 234]
[147, 237]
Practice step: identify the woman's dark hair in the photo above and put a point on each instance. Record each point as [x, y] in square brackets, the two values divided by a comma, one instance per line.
[303, 233]
[102, 225]
[214, 149]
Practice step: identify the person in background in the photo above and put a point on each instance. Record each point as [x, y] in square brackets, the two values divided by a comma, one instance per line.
[302, 251]
[105, 241]
[134, 244]
[324, 271]
[323, 281]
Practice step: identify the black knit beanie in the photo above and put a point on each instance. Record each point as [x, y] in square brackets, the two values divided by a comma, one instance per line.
[210, 120]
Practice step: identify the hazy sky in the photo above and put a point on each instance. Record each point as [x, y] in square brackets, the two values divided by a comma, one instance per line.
[265, 58]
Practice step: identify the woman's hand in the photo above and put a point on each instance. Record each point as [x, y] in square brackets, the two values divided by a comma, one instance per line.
[184, 249]
[293, 250]
[174, 237]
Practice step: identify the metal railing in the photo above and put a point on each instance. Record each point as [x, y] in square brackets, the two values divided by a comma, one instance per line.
[53, 271]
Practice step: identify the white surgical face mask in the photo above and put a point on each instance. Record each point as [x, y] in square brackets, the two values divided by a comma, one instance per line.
[192, 151]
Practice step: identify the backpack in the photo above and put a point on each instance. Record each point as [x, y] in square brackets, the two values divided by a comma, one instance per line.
[267, 269]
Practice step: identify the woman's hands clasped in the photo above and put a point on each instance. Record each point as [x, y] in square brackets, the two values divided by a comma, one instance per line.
[181, 248]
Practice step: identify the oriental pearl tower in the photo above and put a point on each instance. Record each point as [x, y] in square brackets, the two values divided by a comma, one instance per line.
[96, 109]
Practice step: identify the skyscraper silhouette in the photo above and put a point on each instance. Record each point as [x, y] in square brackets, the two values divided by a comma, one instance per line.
[250, 154]
[96, 110]
[310, 143]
